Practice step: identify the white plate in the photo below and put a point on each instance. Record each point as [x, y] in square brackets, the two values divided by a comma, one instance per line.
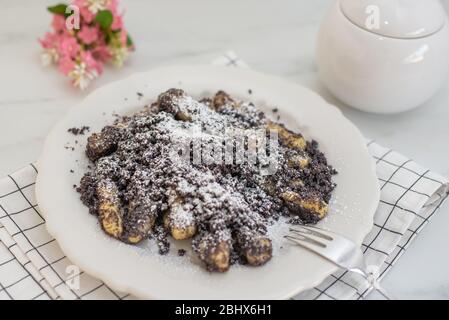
[140, 270]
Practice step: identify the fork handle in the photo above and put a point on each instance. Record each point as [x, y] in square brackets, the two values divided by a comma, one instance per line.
[372, 277]
[383, 292]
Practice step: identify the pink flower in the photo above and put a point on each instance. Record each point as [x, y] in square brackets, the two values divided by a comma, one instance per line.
[88, 34]
[124, 38]
[79, 3]
[81, 54]
[101, 53]
[117, 23]
[91, 63]
[86, 14]
[113, 6]
[66, 65]
[49, 41]
[58, 23]
[68, 47]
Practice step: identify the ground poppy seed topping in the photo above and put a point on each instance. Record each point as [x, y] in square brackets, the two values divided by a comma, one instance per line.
[215, 170]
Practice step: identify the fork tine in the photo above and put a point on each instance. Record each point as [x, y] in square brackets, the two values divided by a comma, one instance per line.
[308, 244]
[338, 249]
[322, 231]
[305, 239]
[311, 244]
[305, 234]
[313, 231]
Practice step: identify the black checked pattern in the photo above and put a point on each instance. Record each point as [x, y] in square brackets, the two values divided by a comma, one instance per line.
[32, 266]
[229, 59]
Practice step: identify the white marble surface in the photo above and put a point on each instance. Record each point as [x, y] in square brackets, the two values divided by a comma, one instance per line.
[277, 37]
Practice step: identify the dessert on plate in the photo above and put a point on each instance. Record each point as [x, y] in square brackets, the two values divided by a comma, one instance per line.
[217, 171]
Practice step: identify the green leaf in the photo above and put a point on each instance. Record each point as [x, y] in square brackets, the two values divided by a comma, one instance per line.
[58, 9]
[129, 41]
[108, 38]
[104, 18]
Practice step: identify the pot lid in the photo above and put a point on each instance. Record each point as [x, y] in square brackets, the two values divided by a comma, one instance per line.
[405, 19]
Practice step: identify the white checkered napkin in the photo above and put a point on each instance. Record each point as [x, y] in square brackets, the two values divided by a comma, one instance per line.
[32, 266]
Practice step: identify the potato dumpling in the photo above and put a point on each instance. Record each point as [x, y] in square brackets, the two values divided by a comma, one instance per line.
[222, 99]
[298, 161]
[183, 116]
[179, 222]
[167, 101]
[311, 209]
[296, 183]
[257, 250]
[214, 254]
[102, 144]
[287, 137]
[109, 211]
[269, 186]
[139, 223]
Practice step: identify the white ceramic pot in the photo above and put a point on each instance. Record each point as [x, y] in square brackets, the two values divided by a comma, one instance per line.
[384, 56]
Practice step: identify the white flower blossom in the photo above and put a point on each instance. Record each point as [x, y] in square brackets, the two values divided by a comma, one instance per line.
[81, 76]
[119, 55]
[96, 5]
[49, 56]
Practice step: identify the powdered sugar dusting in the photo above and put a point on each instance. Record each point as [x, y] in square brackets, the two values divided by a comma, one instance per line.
[163, 162]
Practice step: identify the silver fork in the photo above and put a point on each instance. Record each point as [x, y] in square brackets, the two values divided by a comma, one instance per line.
[337, 249]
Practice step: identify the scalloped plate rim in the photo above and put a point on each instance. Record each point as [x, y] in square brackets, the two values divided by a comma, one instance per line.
[44, 177]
